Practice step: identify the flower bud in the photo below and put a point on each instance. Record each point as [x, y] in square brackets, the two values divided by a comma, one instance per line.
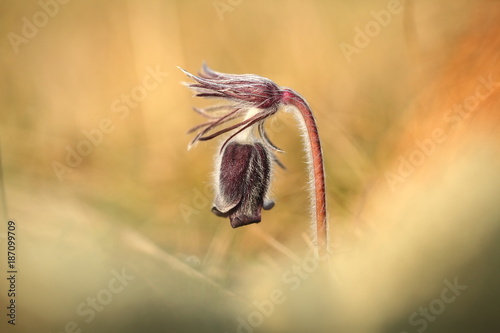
[243, 179]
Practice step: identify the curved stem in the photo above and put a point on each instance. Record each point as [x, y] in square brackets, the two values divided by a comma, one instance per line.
[316, 168]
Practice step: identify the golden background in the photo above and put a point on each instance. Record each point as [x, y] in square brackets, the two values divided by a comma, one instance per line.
[140, 201]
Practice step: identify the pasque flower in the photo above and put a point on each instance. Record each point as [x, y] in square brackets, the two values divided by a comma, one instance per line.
[243, 176]
[246, 157]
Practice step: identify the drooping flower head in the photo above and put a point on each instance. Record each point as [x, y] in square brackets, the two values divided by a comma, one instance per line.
[243, 174]
[244, 164]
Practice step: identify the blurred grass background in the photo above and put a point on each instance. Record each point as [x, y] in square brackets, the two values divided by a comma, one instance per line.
[140, 200]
